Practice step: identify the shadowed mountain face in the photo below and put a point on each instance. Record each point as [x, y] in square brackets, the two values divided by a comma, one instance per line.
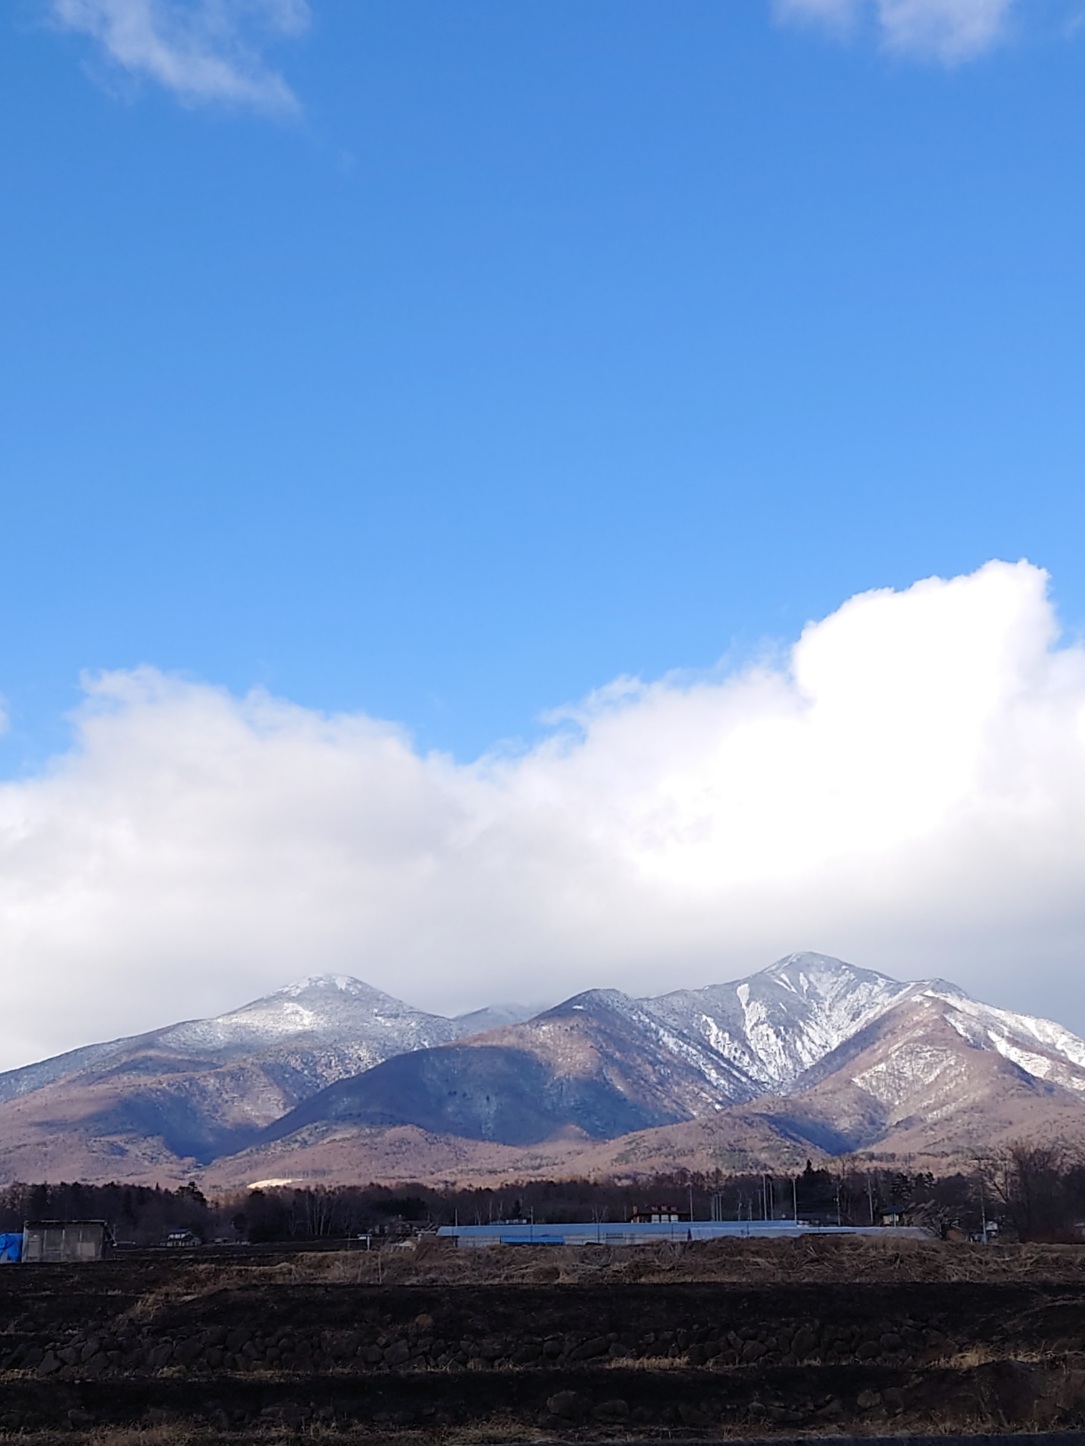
[600, 1063]
[489, 1092]
[810, 1054]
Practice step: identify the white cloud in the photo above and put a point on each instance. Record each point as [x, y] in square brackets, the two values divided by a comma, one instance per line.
[839, 13]
[907, 789]
[201, 50]
[952, 30]
[945, 30]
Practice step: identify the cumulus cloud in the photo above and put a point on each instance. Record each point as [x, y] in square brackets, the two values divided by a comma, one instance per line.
[904, 787]
[945, 30]
[201, 50]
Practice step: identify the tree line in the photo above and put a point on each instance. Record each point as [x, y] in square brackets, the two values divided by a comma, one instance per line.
[1028, 1192]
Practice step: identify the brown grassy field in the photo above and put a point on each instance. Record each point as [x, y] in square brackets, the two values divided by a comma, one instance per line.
[713, 1341]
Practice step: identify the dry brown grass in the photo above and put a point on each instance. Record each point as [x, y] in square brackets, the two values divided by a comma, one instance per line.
[648, 1363]
[496, 1429]
[810, 1259]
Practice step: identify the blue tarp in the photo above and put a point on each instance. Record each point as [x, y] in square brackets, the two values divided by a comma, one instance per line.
[11, 1248]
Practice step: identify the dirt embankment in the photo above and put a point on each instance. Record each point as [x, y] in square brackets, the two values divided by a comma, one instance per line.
[535, 1344]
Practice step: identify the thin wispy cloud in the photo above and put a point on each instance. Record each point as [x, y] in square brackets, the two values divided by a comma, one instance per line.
[215, 51]
[203, 51]
[949, 31]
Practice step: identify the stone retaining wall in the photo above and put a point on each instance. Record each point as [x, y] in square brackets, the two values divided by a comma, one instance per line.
[82, 1354]
[589, 1361]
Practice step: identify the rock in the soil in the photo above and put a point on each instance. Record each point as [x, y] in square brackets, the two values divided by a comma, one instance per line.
[693, 1415]
[567, 1405]
[597, 1346]
[805, 1340]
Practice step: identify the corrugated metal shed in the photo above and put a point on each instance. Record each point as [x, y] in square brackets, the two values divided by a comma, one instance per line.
[64, 1240]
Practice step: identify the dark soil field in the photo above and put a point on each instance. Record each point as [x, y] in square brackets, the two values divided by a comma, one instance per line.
[730, 1340]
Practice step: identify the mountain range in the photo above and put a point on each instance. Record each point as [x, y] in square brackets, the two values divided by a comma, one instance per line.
[331, 1080]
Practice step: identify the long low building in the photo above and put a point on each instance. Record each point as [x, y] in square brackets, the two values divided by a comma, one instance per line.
[644, 1233]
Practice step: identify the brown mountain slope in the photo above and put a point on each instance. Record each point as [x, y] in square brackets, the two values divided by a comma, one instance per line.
[157, 1105]
[599, 1064]
[344, 1154]
[113, 1126]
[602, 1083]
[914, 1082]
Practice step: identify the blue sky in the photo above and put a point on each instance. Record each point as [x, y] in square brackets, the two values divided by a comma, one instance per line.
[442, 363]
[545, 343]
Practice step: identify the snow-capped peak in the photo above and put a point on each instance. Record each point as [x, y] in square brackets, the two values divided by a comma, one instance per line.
[344, 983]
[776, 1023]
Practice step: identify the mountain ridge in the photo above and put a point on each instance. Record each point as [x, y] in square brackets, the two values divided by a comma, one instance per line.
[808, 1053]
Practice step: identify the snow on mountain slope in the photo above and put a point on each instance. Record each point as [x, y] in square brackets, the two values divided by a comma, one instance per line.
[918, 1067]
[626, 1039]
[1041, 1047]
[923, 1077]
[897, 1054]
[208, 1086]
[317, 1029]
[775, 1024]
[815, 1047]
[31, 1077]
